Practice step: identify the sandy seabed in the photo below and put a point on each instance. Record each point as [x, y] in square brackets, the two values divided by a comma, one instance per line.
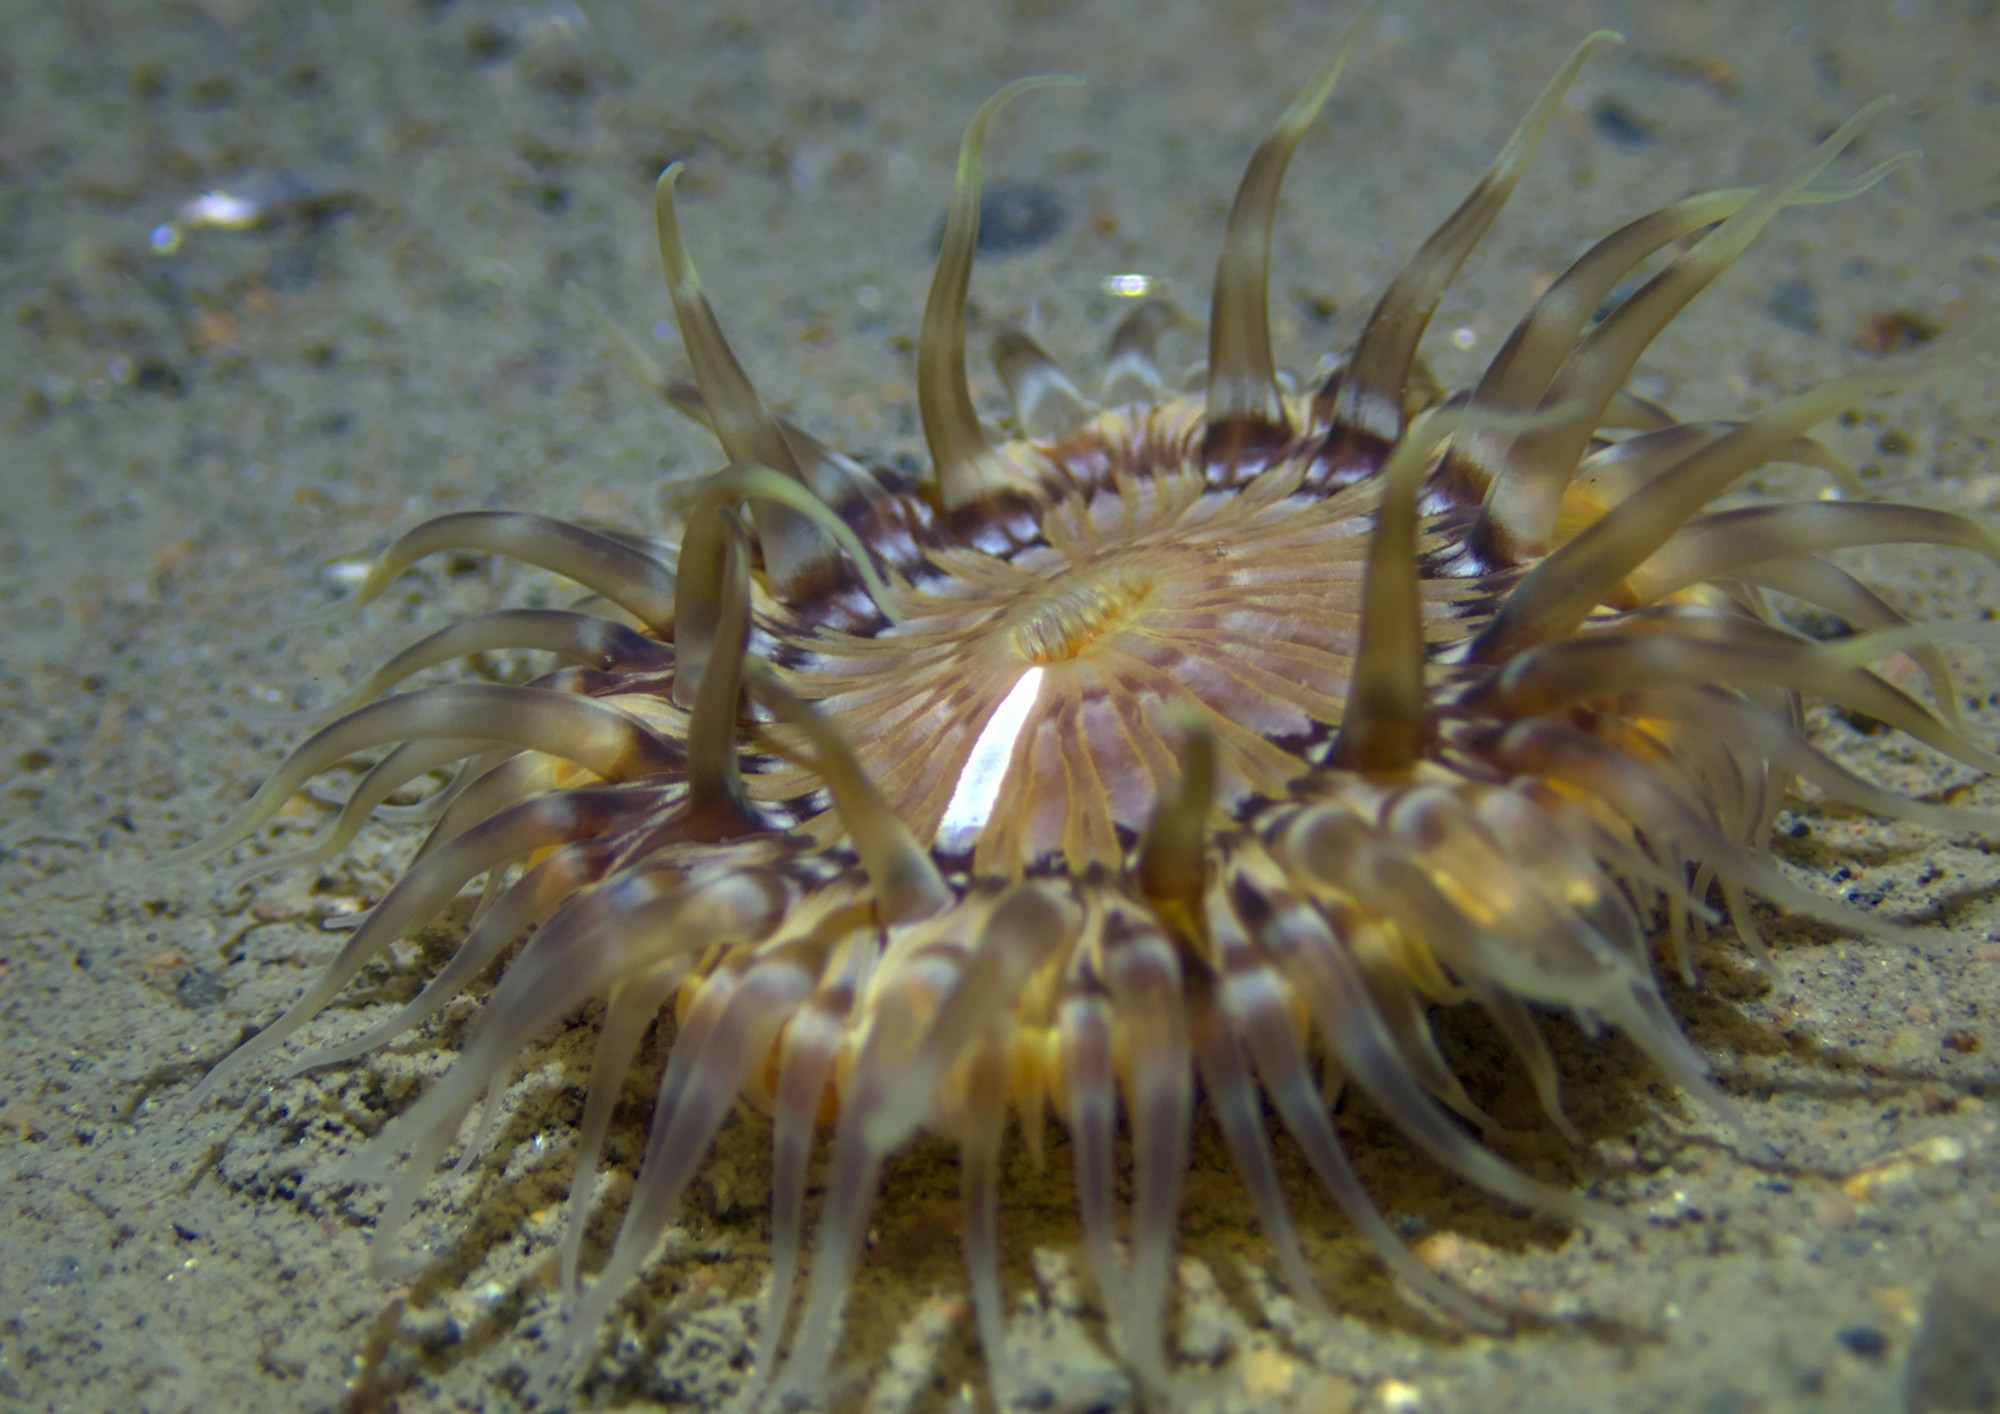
[204, 426]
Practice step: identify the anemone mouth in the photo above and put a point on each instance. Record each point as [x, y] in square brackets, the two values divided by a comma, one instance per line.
[1167, 744]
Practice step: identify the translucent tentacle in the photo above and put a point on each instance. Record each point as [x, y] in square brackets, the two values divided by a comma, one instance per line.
[1827, 586]
[424, 890]
[699, 580]
[1527, 364]
[968, 466]
[717, 806]
[1300, 941]
[1556, 595]
[1771, 738]
[633, 1007]
[727, 1035]
[1047, 406]
[906, 881]
[1143, 976]
[1526, 492]
[1724, 543]
[1090, 1109]
[558, 724]
[1384, 723]
[1614, 472]
[1232, 1094]
[1567, 755]
[1370, 396]
[805, 1068]
[1243, 394]
[1028, 924]
[1604, 665]
[506, 782]
[1260, 1016]
[1131, 364]
[793, 547]
[585, 638]
[851, 1182]
[984, 1126]
[529, 901]
[634, 581]
[408, 762]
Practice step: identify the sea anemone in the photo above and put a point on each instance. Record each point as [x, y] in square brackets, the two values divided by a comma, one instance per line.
[1173, 744]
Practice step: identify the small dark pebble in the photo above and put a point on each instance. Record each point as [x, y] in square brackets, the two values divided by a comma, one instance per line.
[1865, 1341]
[1894, 330]
[1818, 625]
[1013, 217]
[1795, 304]
[156, 375]
[1622, 126]
[489, 44]
[61, 1271]
[215, 92]
[198, 989]
[1862, 722]
[1955, 1357]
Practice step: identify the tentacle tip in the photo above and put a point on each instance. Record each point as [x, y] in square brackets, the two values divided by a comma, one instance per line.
[384, 1266]
[1595, 1212]
[327, 613]
[205, 1091]
[174, 860]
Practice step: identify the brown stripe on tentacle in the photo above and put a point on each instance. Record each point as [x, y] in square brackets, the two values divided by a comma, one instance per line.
[896, 528]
